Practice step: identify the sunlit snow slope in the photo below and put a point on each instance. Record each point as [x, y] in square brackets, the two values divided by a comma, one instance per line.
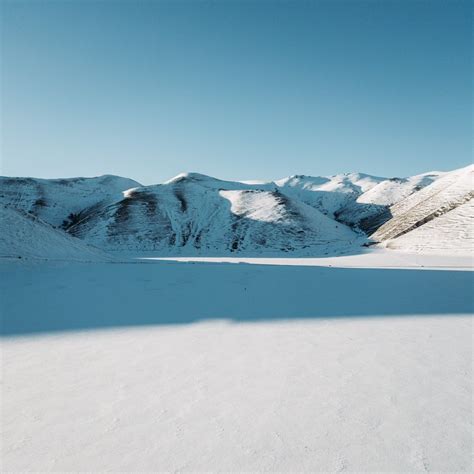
[439, 217]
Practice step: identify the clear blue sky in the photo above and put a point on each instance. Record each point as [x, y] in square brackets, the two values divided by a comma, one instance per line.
[238, 90]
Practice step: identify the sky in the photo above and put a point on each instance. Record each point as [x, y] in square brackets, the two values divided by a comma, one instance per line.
[234, 89]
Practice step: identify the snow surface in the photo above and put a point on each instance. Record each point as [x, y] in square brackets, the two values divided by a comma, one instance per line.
[219, 367]
[375, 257]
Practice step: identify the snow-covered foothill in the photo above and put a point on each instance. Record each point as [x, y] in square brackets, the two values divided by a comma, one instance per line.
[328, 194]
[24, 235]
[61, 202]
[372, 208]
[450, 233]
[438, 218]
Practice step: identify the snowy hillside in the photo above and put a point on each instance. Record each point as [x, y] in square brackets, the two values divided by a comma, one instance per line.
[193, 213]
[371, 209]
[452, 232]
[26, 236]
[438, 217]
[358, 200]
[61, 201]
[328, 194]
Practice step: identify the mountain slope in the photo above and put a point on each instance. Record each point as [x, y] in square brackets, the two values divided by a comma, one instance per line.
[452, 232]
[372, 208]
[437, 217]
[26, 236]
[60, 202]
[193, 213]
[328, 194]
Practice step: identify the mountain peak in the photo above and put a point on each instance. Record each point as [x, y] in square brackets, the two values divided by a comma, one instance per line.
[190, 176]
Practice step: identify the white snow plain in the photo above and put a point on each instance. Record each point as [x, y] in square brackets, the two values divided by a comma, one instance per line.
[319, 365]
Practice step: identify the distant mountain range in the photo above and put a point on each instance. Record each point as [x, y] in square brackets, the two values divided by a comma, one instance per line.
[194, 214]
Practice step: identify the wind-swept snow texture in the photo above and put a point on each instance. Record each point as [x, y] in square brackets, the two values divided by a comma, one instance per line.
[438, 218]
[24, 235]
[194, 213]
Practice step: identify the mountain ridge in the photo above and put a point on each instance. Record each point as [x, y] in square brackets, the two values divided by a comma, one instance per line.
[193, 213]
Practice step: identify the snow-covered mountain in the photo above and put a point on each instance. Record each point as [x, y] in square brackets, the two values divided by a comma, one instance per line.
[194, 214]
[328, 194]
[24, 235]
[437, 218]
[60, 202]
[359, 200]
[371, 209]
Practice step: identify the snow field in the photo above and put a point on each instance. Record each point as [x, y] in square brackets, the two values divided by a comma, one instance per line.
[168, 366]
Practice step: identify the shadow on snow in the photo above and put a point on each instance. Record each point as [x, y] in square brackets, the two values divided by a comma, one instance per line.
[41, 298]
